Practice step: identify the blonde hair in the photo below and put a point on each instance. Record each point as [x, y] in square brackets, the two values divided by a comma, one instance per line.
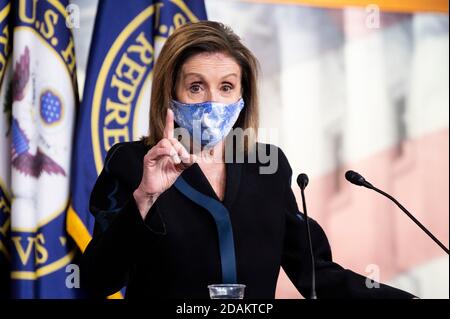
[191, 39]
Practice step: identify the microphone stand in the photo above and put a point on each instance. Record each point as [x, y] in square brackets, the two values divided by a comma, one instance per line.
[313, 263]
[357, 179]
[412, 218]
[302, 181]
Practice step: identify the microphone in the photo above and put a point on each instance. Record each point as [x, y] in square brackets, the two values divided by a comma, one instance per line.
[302, 181]
[357, 179]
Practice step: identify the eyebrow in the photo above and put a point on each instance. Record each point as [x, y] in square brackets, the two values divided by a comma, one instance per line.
[201, 76]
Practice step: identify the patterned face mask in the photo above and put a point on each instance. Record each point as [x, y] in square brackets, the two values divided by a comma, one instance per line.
[207, 122]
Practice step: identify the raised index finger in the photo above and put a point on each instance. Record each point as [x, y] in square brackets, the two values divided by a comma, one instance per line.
[168, 129]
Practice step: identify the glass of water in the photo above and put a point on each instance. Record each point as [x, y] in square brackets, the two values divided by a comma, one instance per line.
[226, 291]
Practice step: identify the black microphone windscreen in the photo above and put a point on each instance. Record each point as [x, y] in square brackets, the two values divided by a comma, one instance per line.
[354, 178]
[302, 180]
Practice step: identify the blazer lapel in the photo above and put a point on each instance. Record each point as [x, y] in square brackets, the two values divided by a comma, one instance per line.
[194, 176]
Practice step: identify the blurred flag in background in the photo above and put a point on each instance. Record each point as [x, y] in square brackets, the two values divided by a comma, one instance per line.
[5, 137]
[38, 96]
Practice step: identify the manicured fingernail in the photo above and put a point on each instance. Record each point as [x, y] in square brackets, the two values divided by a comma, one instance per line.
[184, 158]
[176, 159]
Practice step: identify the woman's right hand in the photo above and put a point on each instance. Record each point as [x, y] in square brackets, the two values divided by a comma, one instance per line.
[162, 165]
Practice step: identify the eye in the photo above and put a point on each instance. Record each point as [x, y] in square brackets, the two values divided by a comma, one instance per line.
[227, 87]
[195, 88]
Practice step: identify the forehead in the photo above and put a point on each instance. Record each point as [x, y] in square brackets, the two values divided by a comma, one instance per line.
[207, 62]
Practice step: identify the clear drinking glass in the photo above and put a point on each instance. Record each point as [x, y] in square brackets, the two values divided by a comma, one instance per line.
[226, 291]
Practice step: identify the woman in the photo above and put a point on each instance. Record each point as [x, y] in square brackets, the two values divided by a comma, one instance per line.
[173, 216]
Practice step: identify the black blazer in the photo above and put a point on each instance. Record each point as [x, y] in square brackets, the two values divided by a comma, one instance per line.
[175, 253]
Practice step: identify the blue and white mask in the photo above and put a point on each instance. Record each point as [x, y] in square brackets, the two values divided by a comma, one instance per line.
[207, 122]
